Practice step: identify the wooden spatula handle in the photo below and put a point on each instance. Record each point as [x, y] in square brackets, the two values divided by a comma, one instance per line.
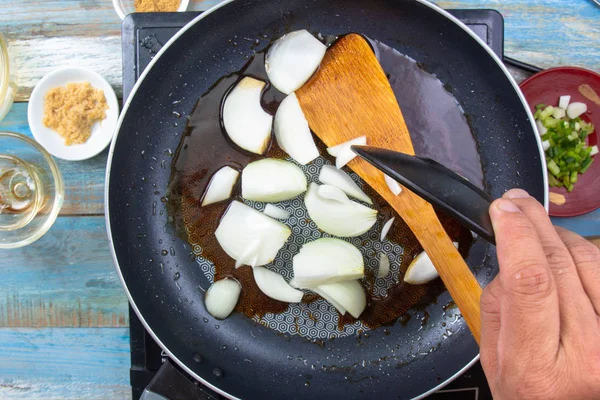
[422, 220]
[456, 275]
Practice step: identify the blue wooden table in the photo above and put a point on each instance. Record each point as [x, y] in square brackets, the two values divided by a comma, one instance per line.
[63, 314]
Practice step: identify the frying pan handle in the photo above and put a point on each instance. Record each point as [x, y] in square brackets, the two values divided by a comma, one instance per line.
[521, 65]
[171, 384]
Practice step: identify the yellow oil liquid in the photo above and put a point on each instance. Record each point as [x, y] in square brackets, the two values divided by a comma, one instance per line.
[21, 192]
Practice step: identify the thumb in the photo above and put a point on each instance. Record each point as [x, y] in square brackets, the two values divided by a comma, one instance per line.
[529, 306]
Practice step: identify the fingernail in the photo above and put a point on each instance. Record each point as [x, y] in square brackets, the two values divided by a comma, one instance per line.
[516, 194]
[508, 206]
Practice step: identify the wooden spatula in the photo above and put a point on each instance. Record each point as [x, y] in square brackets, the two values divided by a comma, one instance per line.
[350, 96]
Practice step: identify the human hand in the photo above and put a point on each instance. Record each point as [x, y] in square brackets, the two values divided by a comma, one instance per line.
[540, 316]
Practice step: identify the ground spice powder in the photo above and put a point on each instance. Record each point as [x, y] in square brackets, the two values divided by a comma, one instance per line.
[73, 110]
[156, 5]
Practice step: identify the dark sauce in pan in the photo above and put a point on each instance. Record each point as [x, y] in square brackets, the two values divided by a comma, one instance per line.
[205, 148]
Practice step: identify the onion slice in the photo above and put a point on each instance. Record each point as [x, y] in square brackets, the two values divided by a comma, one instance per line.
[332, 193]
[349, 219]
[330, 300]
[335, 150]
[542, 130]
[421, 270]
[386, 228]
[249, 255]
[292, 131]
[394, 186]
[349, 295]
[272, 180]
[330, 175]
[327, 260]
[343, 153]
[563, 102]
[249, 236]
[220, 186]
[576, 109]
[546, 145]
[384, 265]
[245, 122]
[292, 60]
[276, 212]
[221, 297]
[273, 285]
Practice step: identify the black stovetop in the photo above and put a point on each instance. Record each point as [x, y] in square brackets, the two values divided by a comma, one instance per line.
[143, 36]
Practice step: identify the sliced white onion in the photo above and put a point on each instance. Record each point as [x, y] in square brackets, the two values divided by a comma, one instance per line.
[386, 228]
[546, 145]
[330, 300]
[541, 128]
[421, 270]
[340, 219]
[392, 185]
[327, 260]
[343, 152]
[220, 186]
[221, 297]
[335, 150]
[349, 295]
[245, 122]
[292, 60]
[249, 236]
[576, 109]
[384, 265]
[273, 285]
[292, 131]
[293, 283]
[276, 212]
[594, 150]
[330, 175]
[563, 102]
[250, 254]
[272, 180]
[559, 113]
[332, 193]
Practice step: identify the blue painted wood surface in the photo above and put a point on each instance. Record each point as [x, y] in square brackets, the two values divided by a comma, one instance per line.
[65, 279]
[63, 315]
[67, 363]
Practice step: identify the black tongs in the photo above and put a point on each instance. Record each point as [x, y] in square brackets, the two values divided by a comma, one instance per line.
[440, 186]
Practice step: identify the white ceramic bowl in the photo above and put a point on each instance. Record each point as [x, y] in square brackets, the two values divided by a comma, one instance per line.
[102, 132]
[125, 7]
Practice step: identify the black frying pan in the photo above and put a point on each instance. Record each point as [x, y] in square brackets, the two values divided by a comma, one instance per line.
[238, 357]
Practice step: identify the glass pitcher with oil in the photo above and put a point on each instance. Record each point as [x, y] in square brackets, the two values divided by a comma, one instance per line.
[8, 86]
[31, 190]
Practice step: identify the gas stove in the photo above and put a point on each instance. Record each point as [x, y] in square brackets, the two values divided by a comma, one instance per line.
[143, 35]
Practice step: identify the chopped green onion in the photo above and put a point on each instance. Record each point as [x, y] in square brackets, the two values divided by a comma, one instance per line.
[564, 142]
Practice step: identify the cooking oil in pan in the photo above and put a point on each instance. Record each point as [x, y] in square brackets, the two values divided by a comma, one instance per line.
[205, 148]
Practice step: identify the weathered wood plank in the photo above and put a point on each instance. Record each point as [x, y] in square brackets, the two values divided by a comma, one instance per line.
[549, 33]
[84, 180]
[36, 56]
[65, 279]
[65, 363]
[44, 35]
[587, 225]
[59, 18]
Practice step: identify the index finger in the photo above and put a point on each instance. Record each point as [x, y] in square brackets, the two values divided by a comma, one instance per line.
[529, 310]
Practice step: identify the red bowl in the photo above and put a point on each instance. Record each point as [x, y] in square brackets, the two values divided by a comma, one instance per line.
[545, 88]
